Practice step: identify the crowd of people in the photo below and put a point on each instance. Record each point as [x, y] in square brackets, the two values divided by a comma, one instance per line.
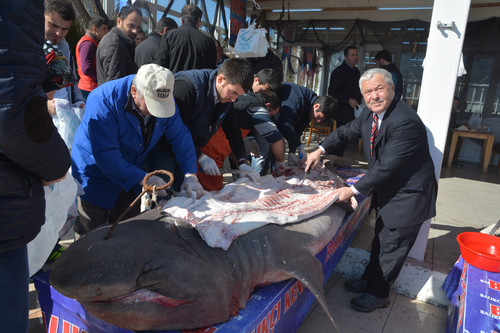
[171, 101]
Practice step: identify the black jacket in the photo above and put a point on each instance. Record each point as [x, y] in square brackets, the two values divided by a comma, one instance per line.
[31, 149]
[145, 52]
[294, 116]
[194, 95]
[344, 84]
[186, 48]
[401, 173]
[115, 56]
[397, 79]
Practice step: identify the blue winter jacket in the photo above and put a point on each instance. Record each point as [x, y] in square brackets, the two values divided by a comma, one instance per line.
[31, 149]
[109, 151]
[294, 115]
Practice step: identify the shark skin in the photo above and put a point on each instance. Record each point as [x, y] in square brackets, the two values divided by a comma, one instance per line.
[156, 273]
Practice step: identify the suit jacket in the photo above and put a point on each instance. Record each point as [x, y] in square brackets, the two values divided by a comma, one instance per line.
[344, 84]
[186, 48]
[146, 51]
[401, 173]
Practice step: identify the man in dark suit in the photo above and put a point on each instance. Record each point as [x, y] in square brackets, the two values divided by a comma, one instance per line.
[344, 88]
[145, 52]
[187, 47]
[384, 60]
[401, 180]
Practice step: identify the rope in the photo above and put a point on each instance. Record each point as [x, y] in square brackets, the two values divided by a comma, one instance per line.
[147, 188]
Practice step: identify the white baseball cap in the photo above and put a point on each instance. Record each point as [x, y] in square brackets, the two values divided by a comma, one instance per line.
[157, 85]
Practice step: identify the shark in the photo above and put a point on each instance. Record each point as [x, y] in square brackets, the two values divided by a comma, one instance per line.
[156, 273]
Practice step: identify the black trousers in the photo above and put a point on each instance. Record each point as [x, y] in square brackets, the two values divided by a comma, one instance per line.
[390, 248]
[91, 216]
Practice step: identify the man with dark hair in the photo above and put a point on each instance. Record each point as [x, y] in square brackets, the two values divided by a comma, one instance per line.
[384, 60]
[187, 47]
[65, 10]
[115, 53]
[267, 79]
[86, 54]
[145, 52]
[299, 106]
[401, 180]
[205, 99]
[344, 88]
[59, 14]
[32, 153]
[253, 114]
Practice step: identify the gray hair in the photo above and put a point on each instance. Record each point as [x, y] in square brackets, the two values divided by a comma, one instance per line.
[140, 93]
[369, 74]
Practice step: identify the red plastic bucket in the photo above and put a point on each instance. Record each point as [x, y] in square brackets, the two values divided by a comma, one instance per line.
[480, 250]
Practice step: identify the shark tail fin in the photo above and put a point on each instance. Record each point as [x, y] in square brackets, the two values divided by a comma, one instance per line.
[310, 273]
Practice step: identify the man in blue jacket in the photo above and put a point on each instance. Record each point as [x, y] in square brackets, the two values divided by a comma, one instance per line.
[299, 106]
[32, 153]
[124, 120]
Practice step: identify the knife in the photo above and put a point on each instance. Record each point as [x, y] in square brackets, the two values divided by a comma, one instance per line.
[305, 176]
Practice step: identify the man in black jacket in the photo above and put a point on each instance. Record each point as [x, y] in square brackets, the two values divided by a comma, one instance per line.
[115, 53]
[384, 60]
[344, 88]
[400, 178]
[187, 47]
[32, 153]
[145, 52]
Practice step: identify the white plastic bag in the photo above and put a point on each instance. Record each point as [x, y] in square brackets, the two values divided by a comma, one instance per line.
[251, 43]
[67, 120]
[58, 198]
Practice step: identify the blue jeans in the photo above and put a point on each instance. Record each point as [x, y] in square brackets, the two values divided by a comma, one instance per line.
[261, 163]
[14, 290]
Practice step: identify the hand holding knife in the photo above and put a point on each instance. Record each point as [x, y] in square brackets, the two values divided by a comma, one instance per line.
[305, 176]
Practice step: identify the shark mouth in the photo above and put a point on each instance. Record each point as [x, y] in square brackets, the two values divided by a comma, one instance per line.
[145, 296]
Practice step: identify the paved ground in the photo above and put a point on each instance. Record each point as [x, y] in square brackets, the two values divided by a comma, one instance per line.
[467, 201]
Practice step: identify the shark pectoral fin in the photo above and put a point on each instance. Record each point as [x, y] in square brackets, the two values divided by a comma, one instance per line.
[310, 273]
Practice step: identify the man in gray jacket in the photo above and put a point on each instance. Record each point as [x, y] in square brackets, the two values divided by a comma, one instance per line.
[116, 51]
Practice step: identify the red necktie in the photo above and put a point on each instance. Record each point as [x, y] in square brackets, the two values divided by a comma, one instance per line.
[374, 133]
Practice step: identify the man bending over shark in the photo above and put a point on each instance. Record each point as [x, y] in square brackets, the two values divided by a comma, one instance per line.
[124, 120]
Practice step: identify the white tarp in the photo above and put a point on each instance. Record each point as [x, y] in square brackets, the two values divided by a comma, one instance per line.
[243, 205]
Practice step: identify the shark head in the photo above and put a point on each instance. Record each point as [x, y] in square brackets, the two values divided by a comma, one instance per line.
[153, 273]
